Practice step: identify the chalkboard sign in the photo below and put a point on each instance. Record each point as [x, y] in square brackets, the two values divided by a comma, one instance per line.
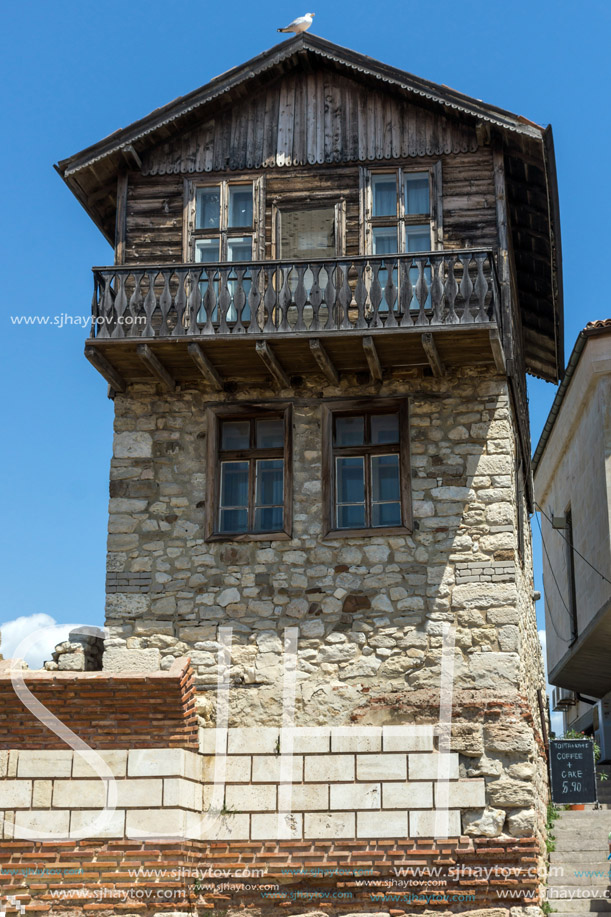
[573, 772]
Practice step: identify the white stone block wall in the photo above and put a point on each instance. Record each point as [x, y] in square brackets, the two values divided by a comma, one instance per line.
[359, 782]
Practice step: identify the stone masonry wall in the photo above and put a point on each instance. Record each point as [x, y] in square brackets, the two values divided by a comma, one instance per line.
[370, 610]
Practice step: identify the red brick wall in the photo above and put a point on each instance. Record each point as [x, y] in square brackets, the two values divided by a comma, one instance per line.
[342, 876]
[156, 710]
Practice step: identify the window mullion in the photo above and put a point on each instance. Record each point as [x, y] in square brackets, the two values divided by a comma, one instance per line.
[367, 466]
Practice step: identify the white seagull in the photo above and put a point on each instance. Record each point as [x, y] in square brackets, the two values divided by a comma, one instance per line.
[301, 24]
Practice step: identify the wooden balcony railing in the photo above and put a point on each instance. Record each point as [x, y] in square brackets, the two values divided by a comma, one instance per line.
[299, 297]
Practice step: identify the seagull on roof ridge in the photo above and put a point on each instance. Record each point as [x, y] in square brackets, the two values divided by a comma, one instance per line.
[301, 24]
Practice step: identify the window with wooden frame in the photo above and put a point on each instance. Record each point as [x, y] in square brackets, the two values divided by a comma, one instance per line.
[308, 229]
[222, 221]
[249, 474]
[366, 468]
[401, 210]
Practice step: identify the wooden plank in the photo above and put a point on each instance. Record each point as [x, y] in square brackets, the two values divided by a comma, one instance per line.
[373, 360]
[121, 218]
[208, 371]
[498, 353]
[131, 157]
[432, 354]
[105, 368]
[324, 361]
[269, 358]
[156, 367]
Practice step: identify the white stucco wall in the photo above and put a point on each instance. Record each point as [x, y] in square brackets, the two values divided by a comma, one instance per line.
[575, 470]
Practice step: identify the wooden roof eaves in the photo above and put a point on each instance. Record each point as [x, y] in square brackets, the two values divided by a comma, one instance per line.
[220, 85]
[556, 245]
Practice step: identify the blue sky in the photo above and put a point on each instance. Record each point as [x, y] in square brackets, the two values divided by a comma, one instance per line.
[74, 72]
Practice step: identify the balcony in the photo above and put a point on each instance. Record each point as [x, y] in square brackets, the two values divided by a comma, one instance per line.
[247, 322]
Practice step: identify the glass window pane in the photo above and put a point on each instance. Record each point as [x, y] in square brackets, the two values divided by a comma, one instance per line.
[269, 433]
[240, 205]
[207, 251]
[270, 482]
[417, 238]
[384, 193]
[235, 434]
[417, 192]
[350, 480]
[351, 517]
[269, 519]
[307, 232]
[385, 428]
[208, 208]
[385, 514]
[233, 520]
[349, 431]
[234, 485]
[239, 249]
[384, 240]
[384, 478]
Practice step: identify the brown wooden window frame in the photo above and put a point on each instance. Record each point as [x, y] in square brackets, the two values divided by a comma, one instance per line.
[330, 452]
[224, 232]
[401, 220]
[252, 412]
[286, 203]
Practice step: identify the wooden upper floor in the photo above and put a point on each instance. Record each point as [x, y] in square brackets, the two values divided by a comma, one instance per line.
[315, 195]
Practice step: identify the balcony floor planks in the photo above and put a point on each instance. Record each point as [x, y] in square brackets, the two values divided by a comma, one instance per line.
[236, 358]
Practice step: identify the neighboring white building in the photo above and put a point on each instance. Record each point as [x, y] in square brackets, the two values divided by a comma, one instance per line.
[572, 468]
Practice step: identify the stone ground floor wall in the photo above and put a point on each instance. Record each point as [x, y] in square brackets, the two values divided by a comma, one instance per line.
[370, 611]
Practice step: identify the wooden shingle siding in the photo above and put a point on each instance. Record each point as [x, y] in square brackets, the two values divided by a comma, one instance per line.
[318, 117]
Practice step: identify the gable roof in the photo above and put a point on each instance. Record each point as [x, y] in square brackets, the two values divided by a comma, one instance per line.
[531, 182]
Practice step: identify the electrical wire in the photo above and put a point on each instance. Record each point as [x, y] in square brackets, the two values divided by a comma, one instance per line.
[572, 546]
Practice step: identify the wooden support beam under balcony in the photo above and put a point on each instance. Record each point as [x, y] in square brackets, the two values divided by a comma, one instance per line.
[156, 367]
[186, 324]
[269, 358]
[324, 361]
[373, 360]
[430, 348]
[210, 374]
[105, 368]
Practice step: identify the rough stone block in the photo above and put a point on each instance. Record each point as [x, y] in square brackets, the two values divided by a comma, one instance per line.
[269, 768]
[407, 738]
[485, 822]
[134, 444]
[42, 824]
[355, 796]
[434, 823]
[118, 659]
[511, 736]
[155, 823]
[255, 740]
[287, 826]
[15, 794]
[382, 824]
[251, 798]
[183, 794]
[84, 764]
[466, 794]
[237, 768]
[314, 797]
[356, 738]
[426, 766]
[330, 825]
[381, 767]
[407, 795]
[89, 823]
[329, 768]
[156, 762]
[44, 764]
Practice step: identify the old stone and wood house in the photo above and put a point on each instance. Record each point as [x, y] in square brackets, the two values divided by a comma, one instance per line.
[330, 280]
